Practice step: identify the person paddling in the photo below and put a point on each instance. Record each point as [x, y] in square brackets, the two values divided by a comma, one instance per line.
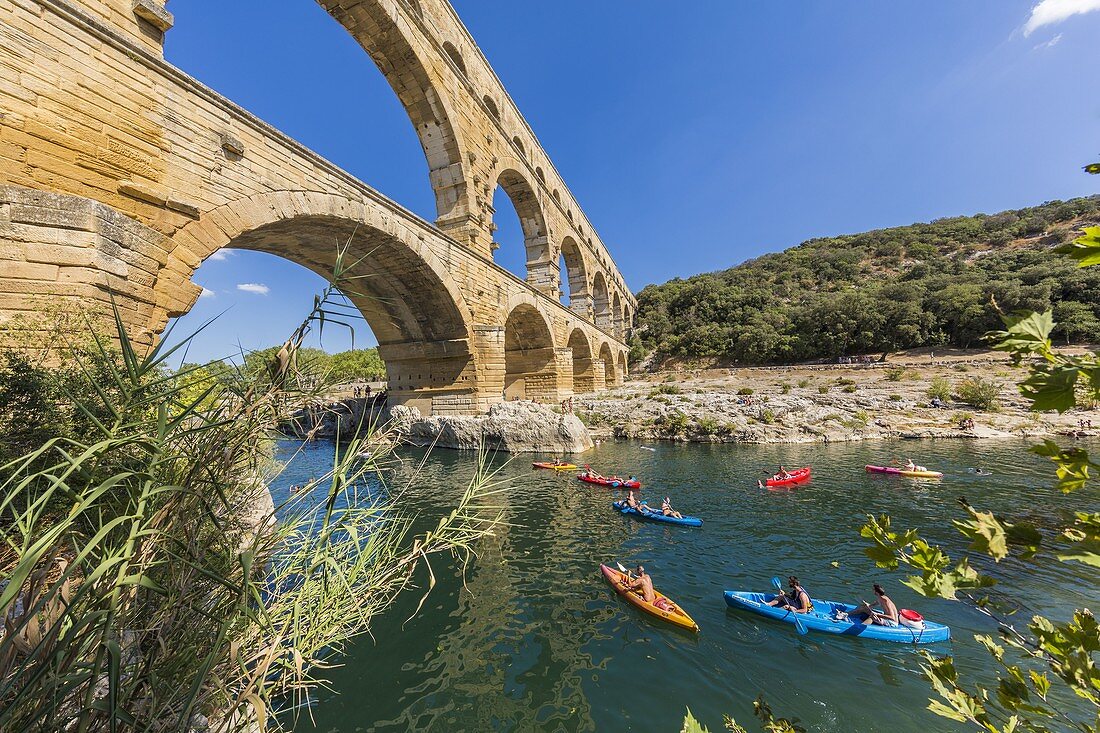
[783, 475]
[668, 511]
[868, 615]
[643, 584]
[798, 600]
[910, 466]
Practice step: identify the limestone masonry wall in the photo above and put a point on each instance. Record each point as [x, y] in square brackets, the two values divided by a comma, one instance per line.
[120, 174]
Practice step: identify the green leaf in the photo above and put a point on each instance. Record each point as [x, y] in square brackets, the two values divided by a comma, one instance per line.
[1073, 464]
[691, 725]
[1085, 249]
[985, 532]
[1051, 388]
[1027, 333]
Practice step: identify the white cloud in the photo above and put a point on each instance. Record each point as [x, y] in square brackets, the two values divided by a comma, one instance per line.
[1049, 12]
[257, 288]
[221, 255]
[207, 293]
[1048, 44]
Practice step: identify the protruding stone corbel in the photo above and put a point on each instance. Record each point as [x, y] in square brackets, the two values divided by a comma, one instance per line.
[154, 13]
[230, 144]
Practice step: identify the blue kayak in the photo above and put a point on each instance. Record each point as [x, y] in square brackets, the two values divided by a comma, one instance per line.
[822, 618]
[656, 516]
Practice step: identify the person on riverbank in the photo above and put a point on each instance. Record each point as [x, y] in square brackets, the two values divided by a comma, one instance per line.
[864, 612]
[798, 600]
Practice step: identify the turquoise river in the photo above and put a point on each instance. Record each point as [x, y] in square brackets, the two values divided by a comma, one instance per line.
[533, 639]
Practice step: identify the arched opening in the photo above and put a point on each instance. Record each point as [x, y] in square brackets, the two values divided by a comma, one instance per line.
[415, 5]
[574, 279]
[519, 144]
[492, 107]
[540, 175]
[415, 311]
[601, 308]
[524, 250]
[378, 29]
[616, 314]
[529, 369]
[610, 376]
[584, 370]
[622, 367]
[455, 56]
[556, 195]
[626, 320]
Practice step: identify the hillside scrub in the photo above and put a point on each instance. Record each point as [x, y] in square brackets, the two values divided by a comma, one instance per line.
[890, 289]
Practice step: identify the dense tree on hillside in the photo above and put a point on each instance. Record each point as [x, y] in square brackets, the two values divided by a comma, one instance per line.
[932, 284]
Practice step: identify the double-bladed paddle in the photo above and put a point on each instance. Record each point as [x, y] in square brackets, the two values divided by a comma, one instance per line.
[798, 625]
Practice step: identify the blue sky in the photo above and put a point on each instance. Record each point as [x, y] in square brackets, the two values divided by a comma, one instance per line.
[693, 140]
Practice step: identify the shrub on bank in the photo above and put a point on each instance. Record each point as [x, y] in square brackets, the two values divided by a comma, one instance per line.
[940, 389]
[980, 393]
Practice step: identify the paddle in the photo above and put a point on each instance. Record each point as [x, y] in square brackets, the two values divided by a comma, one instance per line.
[798, 625]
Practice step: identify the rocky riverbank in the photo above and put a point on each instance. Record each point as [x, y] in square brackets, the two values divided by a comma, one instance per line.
[911, 396]
[515, 427]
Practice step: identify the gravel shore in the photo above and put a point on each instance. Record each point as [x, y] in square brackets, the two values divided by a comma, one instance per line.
[834, 402]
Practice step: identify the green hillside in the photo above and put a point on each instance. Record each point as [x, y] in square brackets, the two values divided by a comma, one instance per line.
[883, 290]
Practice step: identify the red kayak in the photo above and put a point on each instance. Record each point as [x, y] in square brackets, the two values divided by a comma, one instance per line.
[796, 476]
[610, 482]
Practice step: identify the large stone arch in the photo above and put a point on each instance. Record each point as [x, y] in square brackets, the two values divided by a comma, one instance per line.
[375, 26]
[611, 378]
[405, 294]
[530, 364]
[575, 278]
[601, 305]
[532, 221]
[585, 378]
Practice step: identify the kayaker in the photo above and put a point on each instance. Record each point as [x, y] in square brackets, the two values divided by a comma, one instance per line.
[798, 601]
[868, 615]
[910, 466]
[641, 582]
[644, 584]
[632, 501]
[668, 511]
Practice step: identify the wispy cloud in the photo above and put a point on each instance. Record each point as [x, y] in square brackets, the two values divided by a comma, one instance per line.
[257, 288]
[1048, 44]
[221, 255]
[207, 293]
[1049, 12]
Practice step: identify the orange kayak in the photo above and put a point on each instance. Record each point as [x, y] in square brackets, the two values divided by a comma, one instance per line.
[677, 616]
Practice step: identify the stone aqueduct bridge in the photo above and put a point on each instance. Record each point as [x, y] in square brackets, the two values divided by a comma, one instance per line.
[121, 174]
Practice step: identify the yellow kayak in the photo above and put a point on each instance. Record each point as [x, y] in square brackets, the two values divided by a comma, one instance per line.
[904, 472]
[555, 466]
[677, 616]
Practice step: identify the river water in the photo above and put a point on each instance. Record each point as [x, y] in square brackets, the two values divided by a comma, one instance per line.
[535, 639]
